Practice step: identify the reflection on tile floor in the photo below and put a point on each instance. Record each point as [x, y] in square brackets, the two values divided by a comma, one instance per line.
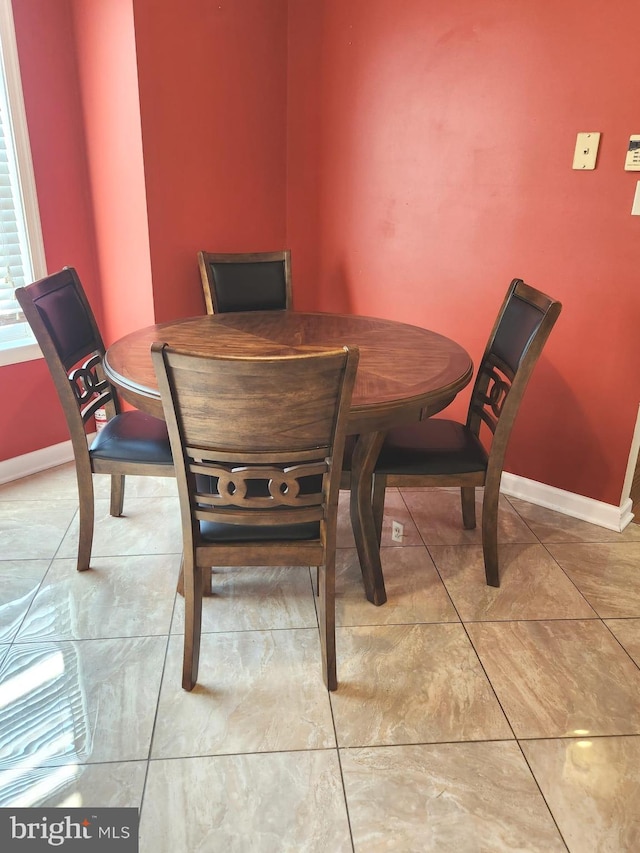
[466, 717]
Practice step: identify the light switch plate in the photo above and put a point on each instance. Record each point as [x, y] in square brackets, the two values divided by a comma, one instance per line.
[632, 160]
[586, 153]
[635, 207]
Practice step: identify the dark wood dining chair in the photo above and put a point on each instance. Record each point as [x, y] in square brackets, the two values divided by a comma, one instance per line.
[439, 452]
[269, 434]
[57, 309]
[259, 281]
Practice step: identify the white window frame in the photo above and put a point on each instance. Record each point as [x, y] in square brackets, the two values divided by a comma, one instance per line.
[23, 348]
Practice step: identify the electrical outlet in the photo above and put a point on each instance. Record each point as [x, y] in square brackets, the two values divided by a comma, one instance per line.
[397, 531]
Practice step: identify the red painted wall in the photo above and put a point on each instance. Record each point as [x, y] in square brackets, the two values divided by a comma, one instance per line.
[213, 108]
[444, 138]
[416, 156]
[30, 414]
[107, 71]
[134, 176]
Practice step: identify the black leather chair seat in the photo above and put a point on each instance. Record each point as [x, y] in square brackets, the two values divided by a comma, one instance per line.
[133, 437]
[214, 531]
[434, 446]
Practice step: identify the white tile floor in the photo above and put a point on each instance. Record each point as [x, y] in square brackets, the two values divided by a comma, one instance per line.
[466, 719]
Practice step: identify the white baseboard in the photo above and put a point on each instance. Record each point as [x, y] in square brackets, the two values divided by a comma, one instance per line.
[587, 509]
[32, 463]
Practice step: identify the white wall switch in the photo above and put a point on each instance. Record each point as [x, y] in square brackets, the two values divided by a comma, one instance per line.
[586, 153]
[635, 207]
[632, 160]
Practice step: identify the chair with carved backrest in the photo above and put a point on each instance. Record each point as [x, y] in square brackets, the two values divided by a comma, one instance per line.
[258, 281]
[132, 442]
[266, 435]
[439, 452]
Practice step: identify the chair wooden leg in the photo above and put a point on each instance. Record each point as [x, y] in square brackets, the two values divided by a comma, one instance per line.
[377, 503]
[468, 501]
[86, 516]
[490, 530]
[117, 495]
[317, 589]
[192, 621]
[327, 619]
[180, 589]
[206, 581]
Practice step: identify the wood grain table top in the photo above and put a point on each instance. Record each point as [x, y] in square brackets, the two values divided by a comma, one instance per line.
[405, 372]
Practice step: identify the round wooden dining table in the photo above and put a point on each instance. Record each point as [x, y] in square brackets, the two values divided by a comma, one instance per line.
[405, 374]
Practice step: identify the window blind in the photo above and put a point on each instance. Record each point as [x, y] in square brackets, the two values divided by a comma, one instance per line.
[12, 237]
[21, 246]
